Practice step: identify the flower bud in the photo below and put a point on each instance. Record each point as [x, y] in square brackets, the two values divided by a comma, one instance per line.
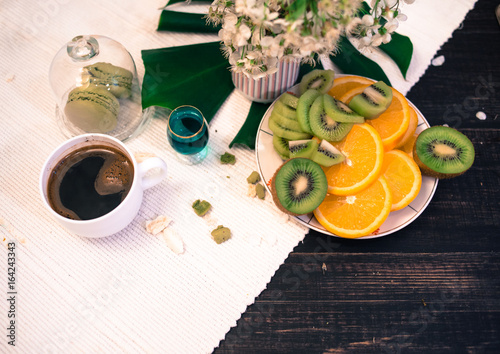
[367, 20]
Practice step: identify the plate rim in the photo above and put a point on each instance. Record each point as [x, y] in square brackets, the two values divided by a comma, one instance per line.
[311, 216]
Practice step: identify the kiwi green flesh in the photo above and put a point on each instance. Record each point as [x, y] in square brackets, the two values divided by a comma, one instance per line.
[284, 110]
[285, 122]
[281, 146]
[302, 148]
[339, 111]
[289, 100]
[443, 152]
[284, 157]
[373, 101]
[286, 133]
[299, 186]
[323, 126]
[303, 108]
[327, 155]
[321, 80]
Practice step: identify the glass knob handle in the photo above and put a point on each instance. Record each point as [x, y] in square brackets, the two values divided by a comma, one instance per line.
[82, 48]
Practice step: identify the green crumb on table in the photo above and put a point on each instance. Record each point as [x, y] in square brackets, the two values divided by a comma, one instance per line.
[227, 158]
[221, 234]
[261, 191]
[253, 178]
[201, 207]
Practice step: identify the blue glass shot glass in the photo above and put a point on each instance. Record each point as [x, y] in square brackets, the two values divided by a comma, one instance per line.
[187, 133]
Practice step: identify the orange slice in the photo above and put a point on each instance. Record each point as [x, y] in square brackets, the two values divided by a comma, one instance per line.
[356, 215]
[403, 176]
[343, 84]
[412, 127]
[393, 123]
[408, 146]
[364, 152]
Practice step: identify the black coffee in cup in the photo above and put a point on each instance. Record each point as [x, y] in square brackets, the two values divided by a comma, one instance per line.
[90, 182]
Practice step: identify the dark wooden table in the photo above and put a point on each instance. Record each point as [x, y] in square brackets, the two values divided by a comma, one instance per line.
[433, 287]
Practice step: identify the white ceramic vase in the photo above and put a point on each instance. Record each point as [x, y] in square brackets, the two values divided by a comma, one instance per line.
[269, 87]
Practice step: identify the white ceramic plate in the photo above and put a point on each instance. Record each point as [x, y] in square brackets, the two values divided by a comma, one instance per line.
[268, 162]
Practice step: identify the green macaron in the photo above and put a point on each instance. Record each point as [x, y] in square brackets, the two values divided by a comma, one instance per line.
[92, 109]
[116, 79]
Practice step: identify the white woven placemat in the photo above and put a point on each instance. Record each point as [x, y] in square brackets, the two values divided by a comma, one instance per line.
[129, 292]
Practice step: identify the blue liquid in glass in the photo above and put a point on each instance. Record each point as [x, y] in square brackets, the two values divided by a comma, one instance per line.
[189, 133]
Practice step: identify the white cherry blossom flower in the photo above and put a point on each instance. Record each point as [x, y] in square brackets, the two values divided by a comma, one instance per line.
[242, 35]
[367, 20]
[391, 25]
[390, 3]
[230, 20]
[257, 34]
[271, 46]
[376, 40]
[365, 41]
[402, 17]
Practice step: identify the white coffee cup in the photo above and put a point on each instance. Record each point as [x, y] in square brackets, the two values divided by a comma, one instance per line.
[118, 218]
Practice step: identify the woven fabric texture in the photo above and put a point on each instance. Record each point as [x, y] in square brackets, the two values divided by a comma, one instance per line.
[130, 292]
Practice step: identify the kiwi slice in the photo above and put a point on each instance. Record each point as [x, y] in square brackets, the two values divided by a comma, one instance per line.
[323, 126]
[339, 111]
[373, 101]
[281, 147]
[285, 132]
[303, 107]
[283, 157]
[321, 80]
[299, 186]
[289, 100]
[327, 155]
[302, 148]
[284, 110]
[285, 122]
[443, 152]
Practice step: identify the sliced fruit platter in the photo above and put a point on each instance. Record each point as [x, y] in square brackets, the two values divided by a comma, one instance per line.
[347, 156]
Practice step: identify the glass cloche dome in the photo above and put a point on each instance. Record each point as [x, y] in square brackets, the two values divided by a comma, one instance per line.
[95, 83]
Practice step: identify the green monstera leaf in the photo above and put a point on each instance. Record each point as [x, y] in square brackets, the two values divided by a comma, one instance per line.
[194, 75]
[351, 61]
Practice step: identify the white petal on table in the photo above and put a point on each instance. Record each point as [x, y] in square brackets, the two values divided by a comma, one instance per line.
[173, 240]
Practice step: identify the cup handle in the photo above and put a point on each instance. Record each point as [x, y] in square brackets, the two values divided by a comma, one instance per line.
[153, 179]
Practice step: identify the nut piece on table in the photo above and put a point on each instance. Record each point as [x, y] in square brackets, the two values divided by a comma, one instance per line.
[227, 158]
[261, 191]
[157, 225]
[221, 234]
[141, 156]
[173, 240]
[252, 190]
[253, 178]
[201, 207]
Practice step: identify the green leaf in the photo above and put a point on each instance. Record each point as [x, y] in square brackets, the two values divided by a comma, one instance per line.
[306, 68]
[364, 9]
[296, 9]
[350, 61]
[184, 22]
[399, 49]
[248, 131]
[194, 75]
